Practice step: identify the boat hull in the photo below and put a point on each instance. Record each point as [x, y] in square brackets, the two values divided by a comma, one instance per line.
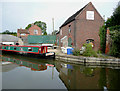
[43, 55]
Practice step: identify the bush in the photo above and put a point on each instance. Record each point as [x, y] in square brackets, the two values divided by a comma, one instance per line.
[89, 51]
[76, 52]
[115, 41]
[102, 34]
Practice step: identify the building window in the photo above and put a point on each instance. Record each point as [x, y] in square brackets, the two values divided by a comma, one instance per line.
[61, 32]
[90, 15]
[69, 29]
[23, 34]
[29, 49]
[90, 41]
[35, 31]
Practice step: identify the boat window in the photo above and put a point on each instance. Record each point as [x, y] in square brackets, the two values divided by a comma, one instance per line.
[4, 47]
[8, 48]
[21, 49]
[15, 48]
[29, 49]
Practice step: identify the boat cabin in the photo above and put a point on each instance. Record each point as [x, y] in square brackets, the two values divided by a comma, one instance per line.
[24, 49]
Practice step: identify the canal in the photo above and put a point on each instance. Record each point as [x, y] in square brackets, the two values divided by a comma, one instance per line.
[20, 72]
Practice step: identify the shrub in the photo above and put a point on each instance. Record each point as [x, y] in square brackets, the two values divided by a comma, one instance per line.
[89, 51]
[76, 52]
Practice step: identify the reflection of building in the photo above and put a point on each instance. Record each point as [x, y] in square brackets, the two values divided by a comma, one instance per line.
[82, 27]
[78, 78]
[83, 77]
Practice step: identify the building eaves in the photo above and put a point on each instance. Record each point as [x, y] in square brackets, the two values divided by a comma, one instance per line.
[23, 31]
[72, 18]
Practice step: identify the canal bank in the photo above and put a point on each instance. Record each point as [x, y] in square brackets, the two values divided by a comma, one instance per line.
[81, 59]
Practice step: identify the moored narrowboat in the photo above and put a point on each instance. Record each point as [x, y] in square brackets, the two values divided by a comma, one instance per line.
[32, 51]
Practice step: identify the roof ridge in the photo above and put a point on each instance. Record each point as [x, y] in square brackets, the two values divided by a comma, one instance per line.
[71, 18]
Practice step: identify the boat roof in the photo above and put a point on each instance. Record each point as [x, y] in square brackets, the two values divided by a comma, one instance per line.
[23, 46]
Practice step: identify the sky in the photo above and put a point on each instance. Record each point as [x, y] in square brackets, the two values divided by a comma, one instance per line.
[16, 14]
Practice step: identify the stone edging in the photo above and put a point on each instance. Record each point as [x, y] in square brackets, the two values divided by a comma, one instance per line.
[78, 59]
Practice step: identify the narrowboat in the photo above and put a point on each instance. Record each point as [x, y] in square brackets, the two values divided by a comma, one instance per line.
[32, 51]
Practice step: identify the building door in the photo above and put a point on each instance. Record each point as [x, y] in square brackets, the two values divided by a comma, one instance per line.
[69, 42]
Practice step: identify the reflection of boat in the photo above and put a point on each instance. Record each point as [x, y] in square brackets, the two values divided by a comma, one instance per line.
[35, 51]
[34, 66]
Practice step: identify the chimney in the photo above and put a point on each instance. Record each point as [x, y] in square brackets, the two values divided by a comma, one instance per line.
[32, 24]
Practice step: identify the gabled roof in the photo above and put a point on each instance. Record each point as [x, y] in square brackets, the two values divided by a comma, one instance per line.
[23, 31]
[71, 18]
[8, 38]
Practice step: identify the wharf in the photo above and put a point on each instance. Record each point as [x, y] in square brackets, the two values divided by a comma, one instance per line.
[81, 59]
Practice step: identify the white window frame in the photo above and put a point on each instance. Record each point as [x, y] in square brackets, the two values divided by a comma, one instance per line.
[35, 31]
[61, 32]
[90, 15]
[23, 34]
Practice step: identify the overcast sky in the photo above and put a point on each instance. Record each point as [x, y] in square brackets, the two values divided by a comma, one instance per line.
[17, 14]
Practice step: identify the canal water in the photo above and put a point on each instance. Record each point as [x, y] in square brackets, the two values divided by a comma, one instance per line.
[20, 72]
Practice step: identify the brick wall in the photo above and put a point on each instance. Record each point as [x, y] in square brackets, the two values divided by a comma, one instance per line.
[88, 29]
[35, 27]
[83, 29]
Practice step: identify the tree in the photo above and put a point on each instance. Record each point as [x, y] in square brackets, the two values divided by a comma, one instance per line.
[102, 34]
[8, 32]
[53, 33]
[28, 26]
[40, 24]
[115, 18]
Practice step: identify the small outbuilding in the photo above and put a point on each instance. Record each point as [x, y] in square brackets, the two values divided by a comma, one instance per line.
[80, 28]
[10, 39]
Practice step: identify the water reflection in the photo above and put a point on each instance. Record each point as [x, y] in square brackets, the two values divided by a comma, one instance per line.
[29, 73]
[47, 74]
[34, 66]
[83, 77]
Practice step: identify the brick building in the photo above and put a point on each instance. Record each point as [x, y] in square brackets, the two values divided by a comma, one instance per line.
[82, 27]
[33, 30]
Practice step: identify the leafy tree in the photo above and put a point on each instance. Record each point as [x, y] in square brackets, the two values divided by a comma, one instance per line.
[115, 18]
[115, 48]
[28, 26]
[53, 33]
[45, 33]
[102, 34]
[40, 24]
[8, 32]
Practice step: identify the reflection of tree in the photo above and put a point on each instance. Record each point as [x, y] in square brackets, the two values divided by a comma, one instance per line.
[113, 79]
[102, 80]
[109, 78]
[88, 71]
